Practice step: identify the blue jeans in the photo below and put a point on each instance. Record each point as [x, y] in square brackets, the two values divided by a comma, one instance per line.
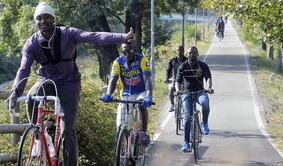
[203, 100]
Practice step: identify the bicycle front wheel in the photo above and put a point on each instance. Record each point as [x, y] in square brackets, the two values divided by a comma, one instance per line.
[196, 135]
[122, 156]
[182, 117]
[139, 152]
[28, 154]
[177, 112]
[59, 157]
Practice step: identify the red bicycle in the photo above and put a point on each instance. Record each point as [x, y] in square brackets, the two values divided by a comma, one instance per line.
[36, 147]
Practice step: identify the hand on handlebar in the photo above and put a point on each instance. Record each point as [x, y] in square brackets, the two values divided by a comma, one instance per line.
[11, 102]
[177, 92]
[210, 91]
[107, 97]
[147, 102]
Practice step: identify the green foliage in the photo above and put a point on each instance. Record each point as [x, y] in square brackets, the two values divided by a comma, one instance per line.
[248, 35]
[191, 32]
[96, 127]
[8, 67]
[163, 31]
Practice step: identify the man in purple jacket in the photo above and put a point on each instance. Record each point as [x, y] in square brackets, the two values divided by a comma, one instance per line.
[54, 48]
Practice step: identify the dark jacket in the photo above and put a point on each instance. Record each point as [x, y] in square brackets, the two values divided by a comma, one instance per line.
[172, 67]
[193, 75]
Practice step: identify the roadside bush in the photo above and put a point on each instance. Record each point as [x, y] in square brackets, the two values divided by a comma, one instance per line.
[96, 127]
[191, 32]
[249, 36]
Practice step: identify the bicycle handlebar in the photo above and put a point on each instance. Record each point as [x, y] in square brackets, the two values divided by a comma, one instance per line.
[127, 101]
[38, 98]
[195, 92]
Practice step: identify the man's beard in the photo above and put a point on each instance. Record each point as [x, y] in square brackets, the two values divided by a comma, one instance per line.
[192, 58]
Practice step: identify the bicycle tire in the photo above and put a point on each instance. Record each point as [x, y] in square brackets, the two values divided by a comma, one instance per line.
[139, 151]
[181, 125]
[178, 115]
[59, 156]
[177, 119]
[122, 158]
[196, 138]
[25, 150]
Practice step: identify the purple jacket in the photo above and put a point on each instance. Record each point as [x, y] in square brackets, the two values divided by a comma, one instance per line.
[64, 73]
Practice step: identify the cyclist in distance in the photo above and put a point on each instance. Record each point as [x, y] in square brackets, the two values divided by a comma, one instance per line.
[132, 71]
[171, 71]
[194, 72]
[220, 25]
[216, 25]
[54, 49]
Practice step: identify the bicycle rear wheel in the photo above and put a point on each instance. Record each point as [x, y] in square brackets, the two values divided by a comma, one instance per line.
[122, 156]
[27, 155]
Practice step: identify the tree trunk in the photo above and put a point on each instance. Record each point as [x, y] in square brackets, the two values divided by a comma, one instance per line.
[106, 53]
[134, 19]
[270, 53]
[279, 59]
[263, 45]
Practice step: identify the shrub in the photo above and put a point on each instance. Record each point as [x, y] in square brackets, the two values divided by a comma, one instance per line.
[96, 128]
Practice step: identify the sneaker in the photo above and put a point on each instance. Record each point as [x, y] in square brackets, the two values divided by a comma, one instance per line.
[186, 148]
[205, 129]
[145, 139]
[171, 108]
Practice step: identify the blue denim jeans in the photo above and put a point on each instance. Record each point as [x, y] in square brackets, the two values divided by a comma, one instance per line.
[203, 100]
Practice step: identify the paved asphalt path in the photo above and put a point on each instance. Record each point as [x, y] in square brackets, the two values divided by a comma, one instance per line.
[238, 136]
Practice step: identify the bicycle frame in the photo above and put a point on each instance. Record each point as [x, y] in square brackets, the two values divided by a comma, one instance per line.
[39, 129]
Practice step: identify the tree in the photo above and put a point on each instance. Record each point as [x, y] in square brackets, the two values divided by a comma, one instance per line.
[93, 15]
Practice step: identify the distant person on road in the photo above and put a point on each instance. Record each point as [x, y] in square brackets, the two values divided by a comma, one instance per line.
[54, 49]
[220, 25]
[226, 19]
[171, 72]
[132, 71]
[216, 25]
[194, 73]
